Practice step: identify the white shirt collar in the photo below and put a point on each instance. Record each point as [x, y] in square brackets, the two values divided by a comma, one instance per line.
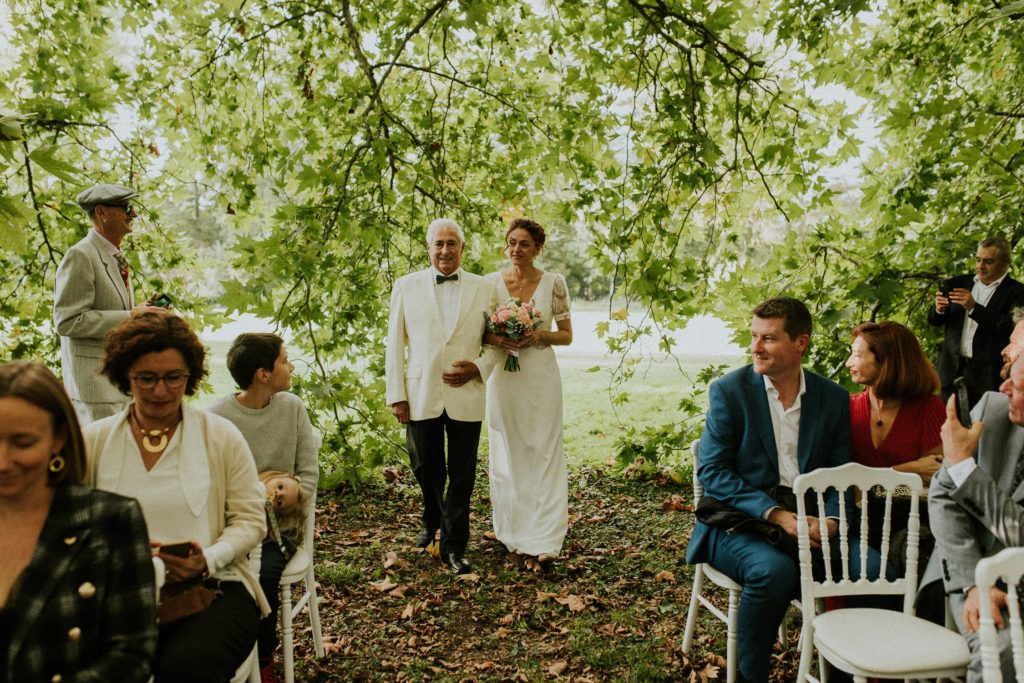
[770, 387]
[993, 284]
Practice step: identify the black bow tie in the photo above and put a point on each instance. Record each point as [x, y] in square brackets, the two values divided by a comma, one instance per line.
[447, 278]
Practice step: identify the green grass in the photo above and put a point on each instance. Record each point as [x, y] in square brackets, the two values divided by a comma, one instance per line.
[593, 422]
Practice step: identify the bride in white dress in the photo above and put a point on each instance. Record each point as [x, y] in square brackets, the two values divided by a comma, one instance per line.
[528, 477]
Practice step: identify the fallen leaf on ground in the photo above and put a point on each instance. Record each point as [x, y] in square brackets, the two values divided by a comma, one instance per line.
[558, 668]
[412, 609]
[383, 586]
[468, 578]
[665, 575]
[710, 672]
[544, 597]
[675, 503]
[392, 473]
[400, 591]
[393, 560]
[574, 602]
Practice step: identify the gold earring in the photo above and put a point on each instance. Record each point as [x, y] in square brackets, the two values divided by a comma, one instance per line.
[56, 463]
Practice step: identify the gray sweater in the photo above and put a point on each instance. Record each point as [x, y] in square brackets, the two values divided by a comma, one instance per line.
[280, 436]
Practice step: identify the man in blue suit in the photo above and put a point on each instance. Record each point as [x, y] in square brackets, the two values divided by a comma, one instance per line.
[767, 423]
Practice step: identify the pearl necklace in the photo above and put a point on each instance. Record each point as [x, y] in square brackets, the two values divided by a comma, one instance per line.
[152, 440]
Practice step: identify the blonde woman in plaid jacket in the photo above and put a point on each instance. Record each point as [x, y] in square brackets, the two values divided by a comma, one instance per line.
[77, 597]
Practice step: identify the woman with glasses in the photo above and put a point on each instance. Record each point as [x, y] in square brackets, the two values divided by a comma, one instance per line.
[77, 599]
[194, 477]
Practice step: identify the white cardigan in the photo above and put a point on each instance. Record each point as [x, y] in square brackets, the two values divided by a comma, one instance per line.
[216, 464]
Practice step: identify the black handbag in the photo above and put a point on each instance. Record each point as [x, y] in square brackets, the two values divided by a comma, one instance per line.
[716, 514]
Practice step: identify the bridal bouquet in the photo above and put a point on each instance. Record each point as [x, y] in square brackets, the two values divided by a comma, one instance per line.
[513, 319]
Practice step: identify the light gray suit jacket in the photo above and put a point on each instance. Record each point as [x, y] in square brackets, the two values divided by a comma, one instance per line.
[980, 517]
[90, 299]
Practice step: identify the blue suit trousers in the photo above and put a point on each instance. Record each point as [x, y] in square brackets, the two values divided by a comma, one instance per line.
[770, 580]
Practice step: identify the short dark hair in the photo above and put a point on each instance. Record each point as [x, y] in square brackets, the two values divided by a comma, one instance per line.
[33, 382]
[250, 352]
[152, 330]
[796, 319]
[1000, 243]
[533, 227]
[904, 372]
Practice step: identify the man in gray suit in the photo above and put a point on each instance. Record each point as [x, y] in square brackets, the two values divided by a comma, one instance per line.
[975, 505]
[94, 294]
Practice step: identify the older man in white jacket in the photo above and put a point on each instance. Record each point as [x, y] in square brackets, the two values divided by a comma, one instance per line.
[436, 366]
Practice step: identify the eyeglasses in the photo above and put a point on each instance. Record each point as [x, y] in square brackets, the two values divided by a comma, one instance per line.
[128, 208]
[148, 380]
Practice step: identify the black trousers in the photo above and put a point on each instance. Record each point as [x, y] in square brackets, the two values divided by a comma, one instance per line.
[272, 564]
[447, 512]
[209, 646]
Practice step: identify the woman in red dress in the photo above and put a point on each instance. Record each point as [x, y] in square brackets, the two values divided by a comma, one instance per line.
[895, 421]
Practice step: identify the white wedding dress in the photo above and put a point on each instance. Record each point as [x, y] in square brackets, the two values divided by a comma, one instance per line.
[528, 477]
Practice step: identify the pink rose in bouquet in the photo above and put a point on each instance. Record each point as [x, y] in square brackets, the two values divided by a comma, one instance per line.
[513, 319]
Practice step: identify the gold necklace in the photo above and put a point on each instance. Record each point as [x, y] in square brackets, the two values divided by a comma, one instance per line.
[152, 440]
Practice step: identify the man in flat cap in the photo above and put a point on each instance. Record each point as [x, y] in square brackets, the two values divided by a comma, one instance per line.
[94, 294]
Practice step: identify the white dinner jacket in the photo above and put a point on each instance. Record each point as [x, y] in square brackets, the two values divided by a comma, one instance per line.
[419, 351]
[90, 299]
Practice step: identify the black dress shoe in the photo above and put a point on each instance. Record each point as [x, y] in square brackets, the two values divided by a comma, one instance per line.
[424, 538]
[457, 562]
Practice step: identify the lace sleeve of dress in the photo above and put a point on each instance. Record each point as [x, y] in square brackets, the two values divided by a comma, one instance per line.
[559, 299]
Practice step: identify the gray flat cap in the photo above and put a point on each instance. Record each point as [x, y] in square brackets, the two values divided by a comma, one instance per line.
[104, 194]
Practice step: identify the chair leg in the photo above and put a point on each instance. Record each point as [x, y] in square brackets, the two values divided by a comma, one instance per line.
[314, 613]
[691, 614]
[731, 637]
[287, 641]
[807, 653]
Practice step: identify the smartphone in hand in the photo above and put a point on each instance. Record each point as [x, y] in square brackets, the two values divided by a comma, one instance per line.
[161, 300]
[178, 549]
[963, 404]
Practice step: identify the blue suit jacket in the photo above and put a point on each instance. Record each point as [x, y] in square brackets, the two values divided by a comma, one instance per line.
[737, 458]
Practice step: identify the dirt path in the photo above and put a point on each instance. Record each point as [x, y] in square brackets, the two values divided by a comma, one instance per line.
[612, 609]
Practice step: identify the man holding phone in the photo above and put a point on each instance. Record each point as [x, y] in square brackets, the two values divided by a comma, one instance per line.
[974, 505]
[93, 294]
[975, 311]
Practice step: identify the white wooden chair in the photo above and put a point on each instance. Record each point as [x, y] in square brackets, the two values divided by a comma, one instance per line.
[1007, 565]
[868, 642]
[300, 568]
[697, 598]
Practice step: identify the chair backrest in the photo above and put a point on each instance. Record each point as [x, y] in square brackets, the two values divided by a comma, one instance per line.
[309, 526]
[698, 488]
[859, 480]
[1007, 566]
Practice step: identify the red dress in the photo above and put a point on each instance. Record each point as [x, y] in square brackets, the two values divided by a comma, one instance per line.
[914, 432]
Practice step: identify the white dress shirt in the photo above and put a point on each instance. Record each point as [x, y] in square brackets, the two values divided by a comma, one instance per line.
[982, 295]
[447, 295]
[786, 426]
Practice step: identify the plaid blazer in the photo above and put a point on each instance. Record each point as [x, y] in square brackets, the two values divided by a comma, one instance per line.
[85, 607]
